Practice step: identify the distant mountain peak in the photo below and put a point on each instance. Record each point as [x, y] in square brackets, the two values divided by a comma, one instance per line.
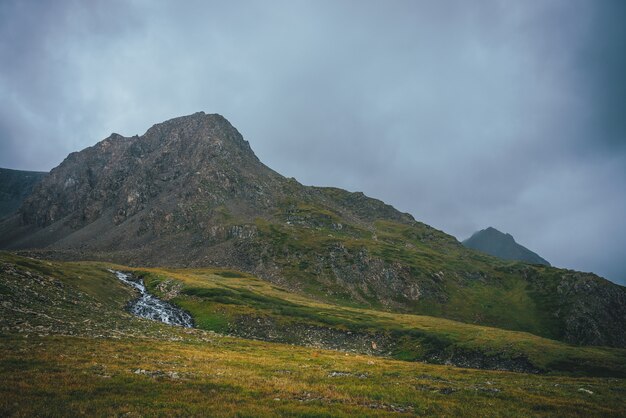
[15, 186]
[502, 245]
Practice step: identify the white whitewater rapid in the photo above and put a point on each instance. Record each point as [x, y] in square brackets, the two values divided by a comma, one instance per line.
[148, 306]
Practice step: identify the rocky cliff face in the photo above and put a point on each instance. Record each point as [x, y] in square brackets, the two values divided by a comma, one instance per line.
[15, 186]
[190, 192]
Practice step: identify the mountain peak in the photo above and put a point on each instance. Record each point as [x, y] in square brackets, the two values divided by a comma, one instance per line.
[496, 234]
[502, 245]
[194, 158]
[214, 118]
[193, 123]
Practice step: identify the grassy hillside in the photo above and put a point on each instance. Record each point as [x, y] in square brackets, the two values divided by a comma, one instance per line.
[410, 267]
[68, 348]
[230, 302]
[240, 304]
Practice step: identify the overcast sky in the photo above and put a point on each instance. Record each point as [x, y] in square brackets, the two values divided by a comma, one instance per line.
[509, 114]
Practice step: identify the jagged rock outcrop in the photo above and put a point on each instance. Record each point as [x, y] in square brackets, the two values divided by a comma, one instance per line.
[190, 192]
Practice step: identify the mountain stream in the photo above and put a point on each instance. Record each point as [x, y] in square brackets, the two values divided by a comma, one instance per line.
[148, 306]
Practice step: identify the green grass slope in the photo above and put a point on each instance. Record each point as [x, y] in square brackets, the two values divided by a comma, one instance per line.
[221, 376]
[240, 304]
[83, 298]
[410, 267]
[68, 348]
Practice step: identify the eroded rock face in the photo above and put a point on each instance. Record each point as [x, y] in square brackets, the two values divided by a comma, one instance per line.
[596, 313]
[589, 310]
[370, 343]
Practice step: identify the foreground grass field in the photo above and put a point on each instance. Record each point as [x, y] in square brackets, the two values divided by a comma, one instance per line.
[221, 376]
[68, 348]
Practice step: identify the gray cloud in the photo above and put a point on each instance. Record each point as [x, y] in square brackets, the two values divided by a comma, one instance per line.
[466, 115]
[602, 64]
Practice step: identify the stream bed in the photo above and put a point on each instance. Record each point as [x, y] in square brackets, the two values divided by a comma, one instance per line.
[151, 307]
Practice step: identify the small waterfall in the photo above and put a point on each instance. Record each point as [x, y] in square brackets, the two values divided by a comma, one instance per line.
[148, 306]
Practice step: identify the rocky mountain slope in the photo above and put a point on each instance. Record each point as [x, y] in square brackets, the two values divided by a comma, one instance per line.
[15, 185]
[190, 192]
[498, 244]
